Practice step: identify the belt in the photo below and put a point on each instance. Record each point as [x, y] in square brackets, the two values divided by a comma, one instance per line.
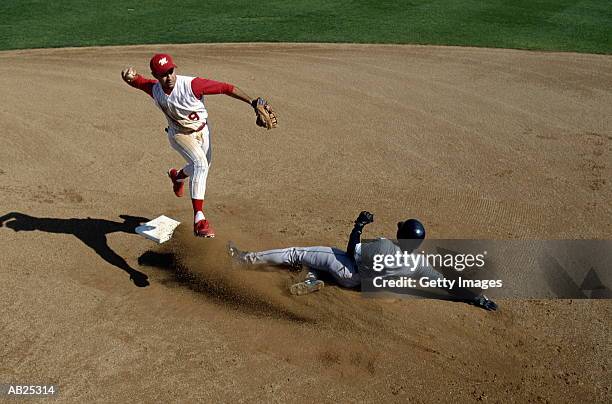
[188, 131]
[201, 127]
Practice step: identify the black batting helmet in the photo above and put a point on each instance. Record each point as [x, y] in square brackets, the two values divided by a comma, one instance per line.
[410, 234]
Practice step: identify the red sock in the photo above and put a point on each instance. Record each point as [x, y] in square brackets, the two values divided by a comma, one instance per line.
[181, 175]
[198, 204]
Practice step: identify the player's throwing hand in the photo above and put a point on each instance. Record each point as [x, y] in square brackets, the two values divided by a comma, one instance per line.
[128, 74]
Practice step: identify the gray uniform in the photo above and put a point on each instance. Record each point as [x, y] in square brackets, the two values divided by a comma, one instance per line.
[337, 263]
[326, 259]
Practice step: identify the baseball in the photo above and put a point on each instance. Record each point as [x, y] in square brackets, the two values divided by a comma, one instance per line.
[128, 74]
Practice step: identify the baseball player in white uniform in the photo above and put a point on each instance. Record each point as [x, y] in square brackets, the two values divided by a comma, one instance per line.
[345, 266]
[181, 99]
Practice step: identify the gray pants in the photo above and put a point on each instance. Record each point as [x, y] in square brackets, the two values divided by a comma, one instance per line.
[325, 259]
[331, 260]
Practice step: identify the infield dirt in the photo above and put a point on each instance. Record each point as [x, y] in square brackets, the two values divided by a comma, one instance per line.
[477, 143]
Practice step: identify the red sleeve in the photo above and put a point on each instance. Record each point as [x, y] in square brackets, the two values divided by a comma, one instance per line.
[201, 86]
[143, 84]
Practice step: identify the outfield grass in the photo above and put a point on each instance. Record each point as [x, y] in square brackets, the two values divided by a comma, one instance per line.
[583, 26]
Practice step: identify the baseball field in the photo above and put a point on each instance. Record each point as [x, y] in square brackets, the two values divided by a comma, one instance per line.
[478, 142]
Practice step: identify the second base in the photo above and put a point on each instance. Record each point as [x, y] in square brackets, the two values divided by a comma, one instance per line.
[159, 229]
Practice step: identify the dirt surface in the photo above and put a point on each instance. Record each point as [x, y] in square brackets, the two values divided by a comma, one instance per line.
[477, 143]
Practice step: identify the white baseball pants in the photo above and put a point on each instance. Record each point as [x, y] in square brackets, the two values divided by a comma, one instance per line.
[195, 149]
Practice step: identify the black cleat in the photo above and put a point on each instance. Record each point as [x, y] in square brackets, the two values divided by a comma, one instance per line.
[237, 255]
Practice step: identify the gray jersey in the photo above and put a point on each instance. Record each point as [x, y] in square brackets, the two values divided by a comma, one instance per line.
[369, 249]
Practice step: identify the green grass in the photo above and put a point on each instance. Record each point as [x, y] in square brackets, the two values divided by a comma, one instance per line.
[582, 26]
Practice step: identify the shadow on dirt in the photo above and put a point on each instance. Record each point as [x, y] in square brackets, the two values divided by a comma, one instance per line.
[90, 231]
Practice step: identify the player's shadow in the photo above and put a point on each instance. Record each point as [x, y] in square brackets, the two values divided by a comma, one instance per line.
[90, 231]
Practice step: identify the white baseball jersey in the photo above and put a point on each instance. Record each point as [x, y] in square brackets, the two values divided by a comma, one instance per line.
[182, 109]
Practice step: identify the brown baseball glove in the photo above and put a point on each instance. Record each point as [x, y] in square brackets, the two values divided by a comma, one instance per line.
[266, 118]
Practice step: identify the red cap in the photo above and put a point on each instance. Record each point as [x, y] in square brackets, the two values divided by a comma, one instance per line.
[161, 63]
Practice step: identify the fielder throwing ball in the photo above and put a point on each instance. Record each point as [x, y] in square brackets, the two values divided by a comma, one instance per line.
[345, 266]
[181, 99]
